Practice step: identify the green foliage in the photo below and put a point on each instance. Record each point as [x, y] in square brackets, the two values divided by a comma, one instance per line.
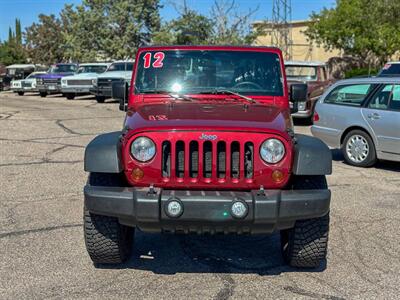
[12, 51]
[357, 72]
[367, 29]
[45, 42]
[104, 29]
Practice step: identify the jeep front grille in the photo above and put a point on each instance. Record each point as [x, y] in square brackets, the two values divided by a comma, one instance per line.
[79, 82]
[207, 159]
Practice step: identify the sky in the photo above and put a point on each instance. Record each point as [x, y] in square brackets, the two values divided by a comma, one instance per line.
[28, 10]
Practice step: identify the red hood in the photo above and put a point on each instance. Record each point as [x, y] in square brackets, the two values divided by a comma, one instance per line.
[220, 115]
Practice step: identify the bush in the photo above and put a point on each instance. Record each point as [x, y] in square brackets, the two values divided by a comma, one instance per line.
[360, 72]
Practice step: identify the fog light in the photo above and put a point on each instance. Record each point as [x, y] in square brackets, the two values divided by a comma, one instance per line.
[277, 176]
[174, 209]
[239, 209]
[137, 174]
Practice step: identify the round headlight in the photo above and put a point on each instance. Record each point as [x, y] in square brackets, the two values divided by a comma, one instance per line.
[143, 149]
[272, 151]
[94, 81]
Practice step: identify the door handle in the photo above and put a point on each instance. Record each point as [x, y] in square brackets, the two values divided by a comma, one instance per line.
[374, 116]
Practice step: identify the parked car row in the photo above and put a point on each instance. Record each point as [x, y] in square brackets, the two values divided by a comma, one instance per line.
[73, 80]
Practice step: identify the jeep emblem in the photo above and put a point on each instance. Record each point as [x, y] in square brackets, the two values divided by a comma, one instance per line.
[207, 137]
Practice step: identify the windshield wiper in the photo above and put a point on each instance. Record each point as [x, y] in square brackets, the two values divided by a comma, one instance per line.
[165, 92]
[226, 91]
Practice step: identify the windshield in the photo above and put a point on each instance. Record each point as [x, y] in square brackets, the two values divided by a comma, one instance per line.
[92, 69]
[301, 72]
[121, 67]
[202, 71]
[390, 69]
[62, 69]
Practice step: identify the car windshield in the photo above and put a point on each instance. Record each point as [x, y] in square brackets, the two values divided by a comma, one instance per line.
[301, 72]
[390, 69]
[62, 69]
[208, 71]
[121, 67]
[92, 69]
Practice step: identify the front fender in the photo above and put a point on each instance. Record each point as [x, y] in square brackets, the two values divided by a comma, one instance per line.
[312, 156]
[103, 154]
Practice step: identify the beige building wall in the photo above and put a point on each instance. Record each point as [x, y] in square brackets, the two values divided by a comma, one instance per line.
[302, 49]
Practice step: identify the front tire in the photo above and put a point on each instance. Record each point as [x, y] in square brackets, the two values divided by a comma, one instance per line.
[358, 149]
[43, 94]
[100, 99]
[305, 245]
[70, 96]
[106, 240]
[20, 93]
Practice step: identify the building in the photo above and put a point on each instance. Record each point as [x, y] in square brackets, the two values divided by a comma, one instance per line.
[301, 48]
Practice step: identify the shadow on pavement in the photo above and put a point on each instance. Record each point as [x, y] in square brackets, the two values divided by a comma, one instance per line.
[337, 155]
[171, 254]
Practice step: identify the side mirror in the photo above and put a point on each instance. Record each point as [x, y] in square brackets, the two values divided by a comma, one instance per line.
[119, 91]
[298, 93]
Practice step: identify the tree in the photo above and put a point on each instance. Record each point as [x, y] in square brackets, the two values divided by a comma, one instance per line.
[18, 33]
[104, 29]
[45, 41]
[12, 51]
[368, 30]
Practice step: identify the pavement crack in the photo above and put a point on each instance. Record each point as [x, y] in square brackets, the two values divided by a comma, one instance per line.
[43, 229]
[303, 292]
[65, 128]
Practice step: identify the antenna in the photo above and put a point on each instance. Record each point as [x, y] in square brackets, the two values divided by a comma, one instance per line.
[282, 26]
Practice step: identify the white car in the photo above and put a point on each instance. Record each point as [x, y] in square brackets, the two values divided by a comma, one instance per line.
[82, 82]
[28, 84]
[118, 71]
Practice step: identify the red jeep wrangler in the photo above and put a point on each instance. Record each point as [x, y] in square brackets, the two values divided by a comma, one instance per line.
[207, 147]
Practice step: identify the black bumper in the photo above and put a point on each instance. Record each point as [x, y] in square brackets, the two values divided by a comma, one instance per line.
[101, 91]
[207, 211]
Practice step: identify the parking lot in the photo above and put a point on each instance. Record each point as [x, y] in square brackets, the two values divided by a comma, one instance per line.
[42, 251]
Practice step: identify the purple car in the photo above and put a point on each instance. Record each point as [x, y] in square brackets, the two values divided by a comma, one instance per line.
[50, 83]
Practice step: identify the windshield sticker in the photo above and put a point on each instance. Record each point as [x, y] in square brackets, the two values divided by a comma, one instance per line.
[158, 63]
[158, 117]
[387, 66]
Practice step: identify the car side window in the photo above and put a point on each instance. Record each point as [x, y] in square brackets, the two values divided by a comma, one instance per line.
[395, 100]
[381, 99]
[353, 94]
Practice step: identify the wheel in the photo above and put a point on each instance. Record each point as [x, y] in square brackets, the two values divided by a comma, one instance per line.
[70, 96]
[359, 149]
[100, 99]
[305, 245]
[106, 240]
[21, 93]
[43, 94]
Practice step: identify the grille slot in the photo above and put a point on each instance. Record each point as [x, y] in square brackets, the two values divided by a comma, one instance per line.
[166, 159]
[180, 159]
[194, 159]
[221, 159]
[79, 82]
[248, 159]
[235, 160]
[207, 159]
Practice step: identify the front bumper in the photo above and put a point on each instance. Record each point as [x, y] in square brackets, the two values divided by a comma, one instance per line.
[101, 91]
[207, 211]
[49, 88]
[75, 89]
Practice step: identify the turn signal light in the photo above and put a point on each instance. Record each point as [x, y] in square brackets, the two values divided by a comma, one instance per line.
[316, 117]
[277, 176]
[137, 174]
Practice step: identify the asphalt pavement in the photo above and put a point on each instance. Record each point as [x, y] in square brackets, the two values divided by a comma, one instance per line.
[42, 251]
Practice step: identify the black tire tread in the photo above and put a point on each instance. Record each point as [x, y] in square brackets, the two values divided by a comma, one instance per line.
[107, 241]
[305, 245]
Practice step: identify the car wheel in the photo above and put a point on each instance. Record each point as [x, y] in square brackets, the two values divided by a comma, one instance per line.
[21, 93]
[70, 96]
[305, 245]
[359, 149]
[106, 240]
[43, 94]
[100, 99]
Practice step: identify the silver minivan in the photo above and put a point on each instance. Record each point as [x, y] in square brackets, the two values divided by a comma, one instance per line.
[361, 117]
